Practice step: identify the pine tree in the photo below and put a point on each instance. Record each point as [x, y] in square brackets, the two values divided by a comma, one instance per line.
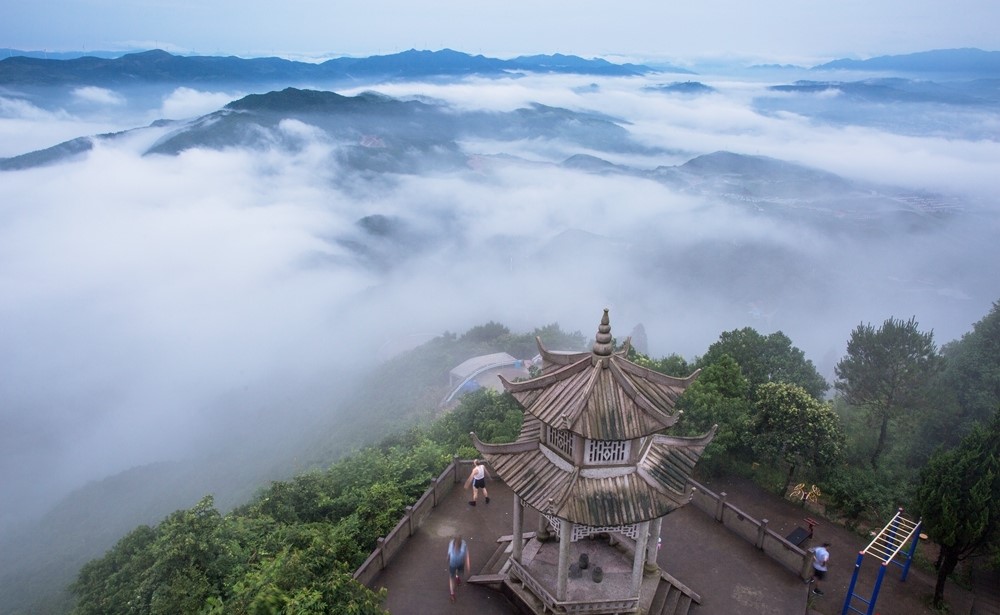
[959, 499]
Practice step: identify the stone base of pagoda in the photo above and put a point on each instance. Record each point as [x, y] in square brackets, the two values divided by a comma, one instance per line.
[531, 585]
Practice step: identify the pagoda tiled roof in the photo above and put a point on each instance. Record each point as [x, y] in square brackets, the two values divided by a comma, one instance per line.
[599, 497]
[600, 395]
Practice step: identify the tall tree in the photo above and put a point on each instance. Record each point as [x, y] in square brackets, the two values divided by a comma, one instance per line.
[717, 397]
[767, 358]
[973, 367]
[959, 499]
[791, 425]
[886, 371]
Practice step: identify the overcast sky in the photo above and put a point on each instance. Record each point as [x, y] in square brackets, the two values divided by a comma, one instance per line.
[766, 30]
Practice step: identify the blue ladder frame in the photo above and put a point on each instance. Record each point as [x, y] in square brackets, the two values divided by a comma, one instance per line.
[885, 547]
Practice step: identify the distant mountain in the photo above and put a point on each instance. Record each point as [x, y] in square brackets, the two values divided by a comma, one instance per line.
[7, 52]
[158, 66]
[682, 87]
[955, 106]
[781, 189]
[889, 90]
[374, 136]
[955, 61]
[372, 132]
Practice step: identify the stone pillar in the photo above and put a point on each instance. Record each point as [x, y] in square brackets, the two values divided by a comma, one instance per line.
[565, 537]
[543, 528]
[719, 505]
[761, 532]
[653, 546]
[641, 539]
[517, 540]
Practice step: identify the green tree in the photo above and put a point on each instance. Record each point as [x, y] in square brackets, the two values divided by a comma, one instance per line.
[671, 365]
[495, 417]
[767, 358]
[174, 568]
[959, 499]
[718, 397]
[973, 367]
[485, 334]
[792, 426]
[886, 371]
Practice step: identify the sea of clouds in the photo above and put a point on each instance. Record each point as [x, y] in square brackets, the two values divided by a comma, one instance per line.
[137, 292]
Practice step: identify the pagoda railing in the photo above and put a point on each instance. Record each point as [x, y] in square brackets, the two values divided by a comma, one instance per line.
[595, 607]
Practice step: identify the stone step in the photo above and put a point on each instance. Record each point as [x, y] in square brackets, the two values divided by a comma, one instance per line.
[659, 598]
[673, 599]
[497, 560]
[487, 579]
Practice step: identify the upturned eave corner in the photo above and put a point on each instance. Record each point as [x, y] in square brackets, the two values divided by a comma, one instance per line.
[690, 441]
[501, 449]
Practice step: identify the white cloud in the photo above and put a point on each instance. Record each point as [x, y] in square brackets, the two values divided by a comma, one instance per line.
[99, 96]
[138, 291]
[185, 103]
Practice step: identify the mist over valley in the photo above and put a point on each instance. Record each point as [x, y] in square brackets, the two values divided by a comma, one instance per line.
[197, 275]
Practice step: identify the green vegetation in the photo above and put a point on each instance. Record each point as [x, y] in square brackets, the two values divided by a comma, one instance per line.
[793, 427]
[959, 499]
[886, 372]
[294, 546]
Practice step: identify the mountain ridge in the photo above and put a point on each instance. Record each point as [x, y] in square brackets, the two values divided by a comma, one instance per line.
[157, 65]
[968, 60]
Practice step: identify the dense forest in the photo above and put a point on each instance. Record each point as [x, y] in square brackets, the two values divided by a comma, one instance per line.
[905, 423]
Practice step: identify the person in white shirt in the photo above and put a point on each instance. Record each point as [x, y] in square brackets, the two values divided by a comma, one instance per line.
[821, 555]
[477, 478]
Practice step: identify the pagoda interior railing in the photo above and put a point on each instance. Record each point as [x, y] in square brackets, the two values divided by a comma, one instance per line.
[595, 607]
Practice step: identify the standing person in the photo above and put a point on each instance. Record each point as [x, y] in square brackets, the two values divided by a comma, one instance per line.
[477, 478]
[821, 555]
[458, 563]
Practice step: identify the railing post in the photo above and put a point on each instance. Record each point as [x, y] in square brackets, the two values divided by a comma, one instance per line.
[381, 552]
[761, 531]
[409, 520]
[807, 565]
[434, 492]
[454, 463]
[719, 504]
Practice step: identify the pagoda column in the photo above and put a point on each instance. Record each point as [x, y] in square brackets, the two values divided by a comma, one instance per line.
[639, 559]
[517, 540]
[653, 545]
[565, 536]
[543, 527]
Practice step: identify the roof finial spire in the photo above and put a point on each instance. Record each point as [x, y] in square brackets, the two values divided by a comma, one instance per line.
[602, 345]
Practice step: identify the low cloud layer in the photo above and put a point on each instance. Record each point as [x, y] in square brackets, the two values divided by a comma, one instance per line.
[138, 294]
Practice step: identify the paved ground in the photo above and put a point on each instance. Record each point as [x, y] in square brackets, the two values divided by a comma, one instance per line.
[911, 597]
[732, 577]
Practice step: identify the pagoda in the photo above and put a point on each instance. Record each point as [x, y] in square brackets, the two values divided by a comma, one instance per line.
[593, 460]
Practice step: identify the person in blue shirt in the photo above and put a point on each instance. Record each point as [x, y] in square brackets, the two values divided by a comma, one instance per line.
[458, 563]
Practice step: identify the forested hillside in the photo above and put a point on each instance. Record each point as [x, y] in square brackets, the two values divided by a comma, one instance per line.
[869, 449]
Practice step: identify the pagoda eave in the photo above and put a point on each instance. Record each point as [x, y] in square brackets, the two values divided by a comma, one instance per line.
[598, 497]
